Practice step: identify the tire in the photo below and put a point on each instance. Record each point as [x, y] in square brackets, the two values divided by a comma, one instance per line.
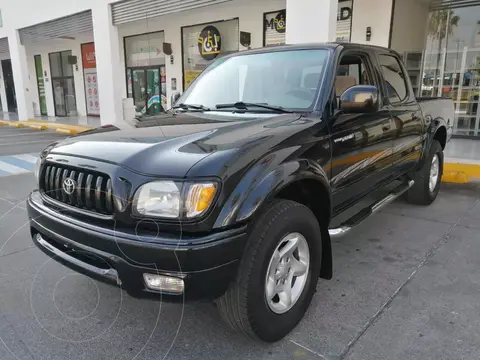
[245, 306]
[420, 193]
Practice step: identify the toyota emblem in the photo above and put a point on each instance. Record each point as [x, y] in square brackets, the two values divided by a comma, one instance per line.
[69, 186]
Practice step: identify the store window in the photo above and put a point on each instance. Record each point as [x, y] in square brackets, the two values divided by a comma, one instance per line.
[451, 64]
[275, 24]
[204, 43]
[146, 77]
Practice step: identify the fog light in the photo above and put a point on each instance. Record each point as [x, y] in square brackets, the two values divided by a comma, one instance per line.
[164, 283]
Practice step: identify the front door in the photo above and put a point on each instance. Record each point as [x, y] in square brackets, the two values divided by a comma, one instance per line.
[9, 85]
[361, 142]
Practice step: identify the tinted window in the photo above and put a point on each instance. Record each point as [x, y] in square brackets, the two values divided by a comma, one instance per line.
[394, 78]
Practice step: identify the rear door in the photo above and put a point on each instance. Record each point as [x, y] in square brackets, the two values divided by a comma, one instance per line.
[362, 142]
[409, 128]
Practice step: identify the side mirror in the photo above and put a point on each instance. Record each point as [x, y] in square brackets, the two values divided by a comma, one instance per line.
[359, 99]
[175, 97]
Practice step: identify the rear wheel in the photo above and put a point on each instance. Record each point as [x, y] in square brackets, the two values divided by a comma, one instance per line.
[428, 178]
[278, 273]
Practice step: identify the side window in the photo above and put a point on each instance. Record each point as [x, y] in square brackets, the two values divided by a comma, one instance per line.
[394, 78]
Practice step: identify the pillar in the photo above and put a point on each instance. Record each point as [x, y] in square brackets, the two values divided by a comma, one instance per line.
[311, 21]
[3, 94]
[110, 76]
[18, 57]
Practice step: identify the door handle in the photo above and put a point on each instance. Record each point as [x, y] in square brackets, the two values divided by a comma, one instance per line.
[386, 127]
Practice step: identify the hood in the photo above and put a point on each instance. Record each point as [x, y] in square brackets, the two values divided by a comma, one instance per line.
[170, 145]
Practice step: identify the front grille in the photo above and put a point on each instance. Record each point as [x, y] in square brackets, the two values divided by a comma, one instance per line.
[93, 191]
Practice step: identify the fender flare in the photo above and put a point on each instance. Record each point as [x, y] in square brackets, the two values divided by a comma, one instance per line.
[257, 187]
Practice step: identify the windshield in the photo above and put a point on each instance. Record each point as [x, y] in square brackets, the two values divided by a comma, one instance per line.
[287, 79]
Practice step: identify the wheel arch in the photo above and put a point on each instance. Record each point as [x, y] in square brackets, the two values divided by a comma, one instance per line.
[436, 131]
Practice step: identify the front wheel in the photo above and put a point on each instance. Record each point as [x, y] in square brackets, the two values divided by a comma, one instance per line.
[278, 273]
[428, 178]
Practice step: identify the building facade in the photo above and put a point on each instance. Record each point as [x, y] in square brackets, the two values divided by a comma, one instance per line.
[118, 59]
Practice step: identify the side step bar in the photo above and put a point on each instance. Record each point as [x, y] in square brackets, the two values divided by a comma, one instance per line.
[363, 214]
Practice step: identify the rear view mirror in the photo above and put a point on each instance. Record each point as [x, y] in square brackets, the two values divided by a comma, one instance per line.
[359, 99]
[175, 97]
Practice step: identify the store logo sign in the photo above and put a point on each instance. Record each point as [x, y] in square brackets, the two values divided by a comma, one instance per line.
[278, 23]
[209, 42]
[345, 13]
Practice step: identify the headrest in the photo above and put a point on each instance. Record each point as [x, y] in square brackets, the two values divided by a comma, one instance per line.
[342, 83]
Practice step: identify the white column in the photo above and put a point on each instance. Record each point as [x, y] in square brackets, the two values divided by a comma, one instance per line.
[311, 21]
[3, 94]
[110, 77]
[20, 77]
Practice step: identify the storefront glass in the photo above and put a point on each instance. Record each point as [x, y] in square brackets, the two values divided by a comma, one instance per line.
[146, 78]
[275, 24]
[451, 64]
[203, 43]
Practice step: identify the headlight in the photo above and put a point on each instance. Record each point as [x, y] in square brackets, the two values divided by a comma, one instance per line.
[37, 169]
[175, 200]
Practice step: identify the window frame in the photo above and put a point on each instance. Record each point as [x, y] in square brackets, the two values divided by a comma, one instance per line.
[387, 99]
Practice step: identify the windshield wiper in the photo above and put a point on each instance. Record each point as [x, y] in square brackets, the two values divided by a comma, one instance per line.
[191, 106]
[245, 105]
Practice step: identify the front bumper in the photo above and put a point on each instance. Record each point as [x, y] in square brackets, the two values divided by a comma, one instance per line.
[207, 264]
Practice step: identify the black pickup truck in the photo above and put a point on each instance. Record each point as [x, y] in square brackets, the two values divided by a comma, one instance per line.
[234, 194]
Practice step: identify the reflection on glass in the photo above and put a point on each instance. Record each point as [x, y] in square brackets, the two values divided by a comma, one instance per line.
[71, 103]
[153, 92]
[58, 93]
[139, 88]
[451, 65]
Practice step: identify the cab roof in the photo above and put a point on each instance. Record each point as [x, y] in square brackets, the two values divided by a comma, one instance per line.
[310, 46]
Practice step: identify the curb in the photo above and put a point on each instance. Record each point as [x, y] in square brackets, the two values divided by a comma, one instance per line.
[461, 171]
[44, 125]
[66, 131]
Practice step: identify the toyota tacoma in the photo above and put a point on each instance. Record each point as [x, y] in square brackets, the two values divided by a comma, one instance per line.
[235, 193]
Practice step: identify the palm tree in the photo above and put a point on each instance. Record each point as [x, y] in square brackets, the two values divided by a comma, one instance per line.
[440, 26]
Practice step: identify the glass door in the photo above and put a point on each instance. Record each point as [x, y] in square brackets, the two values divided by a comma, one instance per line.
[40, 85]
[63, 84]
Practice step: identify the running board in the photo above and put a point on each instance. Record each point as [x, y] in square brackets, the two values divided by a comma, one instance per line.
[363, 214]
